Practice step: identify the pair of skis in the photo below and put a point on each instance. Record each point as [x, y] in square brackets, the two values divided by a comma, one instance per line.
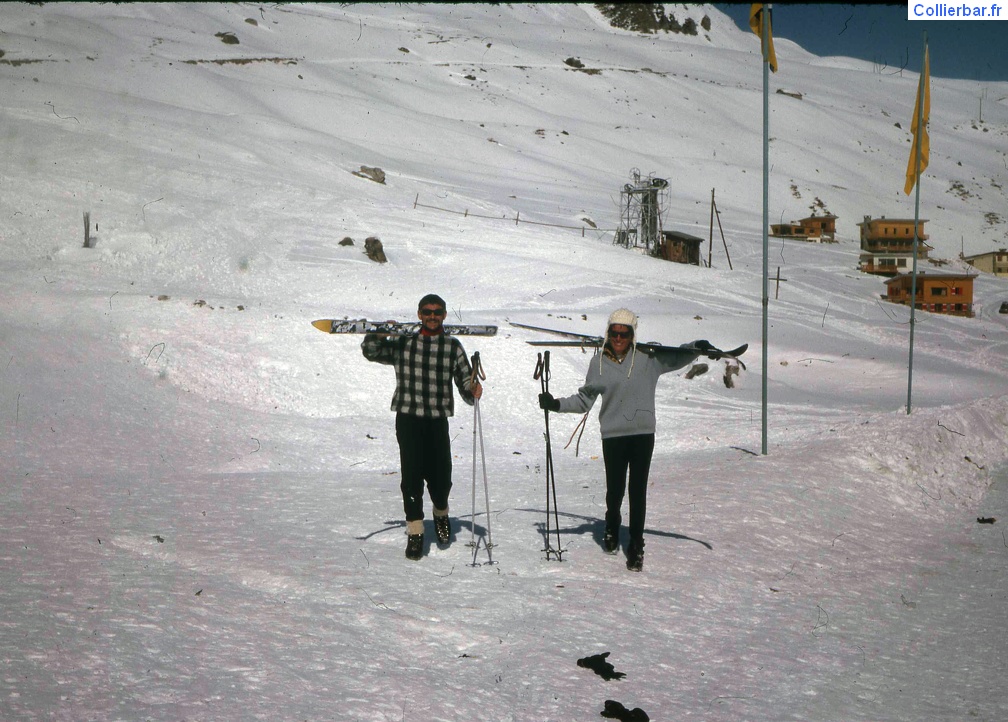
[581, 340]
[397, 328]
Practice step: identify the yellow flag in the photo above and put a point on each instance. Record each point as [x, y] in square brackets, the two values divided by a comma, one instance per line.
[756, 23]
[922, 109]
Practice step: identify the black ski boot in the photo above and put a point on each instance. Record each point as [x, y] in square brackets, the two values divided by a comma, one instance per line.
[610, 542]
[635, 555]
[442, 526]
[414, 546]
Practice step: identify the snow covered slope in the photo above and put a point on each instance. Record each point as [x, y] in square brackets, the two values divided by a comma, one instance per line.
[201, 516]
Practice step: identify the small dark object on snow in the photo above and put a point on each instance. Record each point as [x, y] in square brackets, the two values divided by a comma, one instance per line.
[347, 241]
[374, 250]
[598, 664]
[574, 63]
[1004, 307]
[227, 38]
[371, 173]
[986, 520]
[615, 710]
[158, 538]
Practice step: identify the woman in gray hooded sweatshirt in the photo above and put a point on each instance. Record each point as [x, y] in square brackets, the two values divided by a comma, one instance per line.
[626, 378]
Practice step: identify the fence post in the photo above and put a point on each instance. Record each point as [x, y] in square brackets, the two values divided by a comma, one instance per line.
[87, 229]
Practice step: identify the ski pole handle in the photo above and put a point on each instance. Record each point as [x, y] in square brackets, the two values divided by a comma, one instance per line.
[477, 369]
[542, 372]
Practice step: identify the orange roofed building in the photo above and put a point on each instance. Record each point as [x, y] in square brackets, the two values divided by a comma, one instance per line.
[949, 293]
[887, 245]
[813, 228]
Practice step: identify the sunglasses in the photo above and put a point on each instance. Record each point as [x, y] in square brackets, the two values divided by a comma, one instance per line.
[432, 312]
[620, 334]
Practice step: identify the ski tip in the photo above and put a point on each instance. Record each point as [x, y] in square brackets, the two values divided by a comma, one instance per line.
[323, 324]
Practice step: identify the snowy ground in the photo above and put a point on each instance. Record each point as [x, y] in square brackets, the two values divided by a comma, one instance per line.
[200, 510]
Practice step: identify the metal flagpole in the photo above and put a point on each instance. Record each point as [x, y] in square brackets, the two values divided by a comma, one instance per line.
[765, 27]
[918, 136]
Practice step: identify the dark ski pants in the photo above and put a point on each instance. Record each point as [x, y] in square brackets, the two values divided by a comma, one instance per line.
[424, 455]
[623, 453]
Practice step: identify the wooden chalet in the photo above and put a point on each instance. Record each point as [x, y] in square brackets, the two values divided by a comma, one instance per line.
[679, 247]
[786, 230]
[813, 228]
[949, 293]
[887, 245]
[821, 227]
[995, 262]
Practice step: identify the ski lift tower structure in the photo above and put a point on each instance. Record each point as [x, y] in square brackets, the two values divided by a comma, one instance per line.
[642, 204]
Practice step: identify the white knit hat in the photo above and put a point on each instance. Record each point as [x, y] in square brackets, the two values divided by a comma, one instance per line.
[624, 317]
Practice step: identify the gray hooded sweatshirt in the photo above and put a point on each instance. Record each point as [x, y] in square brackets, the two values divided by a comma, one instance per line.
[627, 389]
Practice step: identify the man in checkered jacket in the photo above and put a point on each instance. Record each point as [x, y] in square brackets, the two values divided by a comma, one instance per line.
[426, 364]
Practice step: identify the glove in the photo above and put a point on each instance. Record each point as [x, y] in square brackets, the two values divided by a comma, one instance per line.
[547, 402]
[707, 349]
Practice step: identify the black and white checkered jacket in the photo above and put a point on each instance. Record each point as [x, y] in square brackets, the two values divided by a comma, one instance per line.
[425, 367]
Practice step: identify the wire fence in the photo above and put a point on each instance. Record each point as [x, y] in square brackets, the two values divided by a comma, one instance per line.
[517, 219]
[600, 232]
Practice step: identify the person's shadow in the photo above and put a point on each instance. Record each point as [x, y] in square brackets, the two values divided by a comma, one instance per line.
[596, 527]
[589, 525]
[457, 526]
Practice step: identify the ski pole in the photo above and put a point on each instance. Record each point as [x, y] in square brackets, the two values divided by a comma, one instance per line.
[479, 375]
[542, 372]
